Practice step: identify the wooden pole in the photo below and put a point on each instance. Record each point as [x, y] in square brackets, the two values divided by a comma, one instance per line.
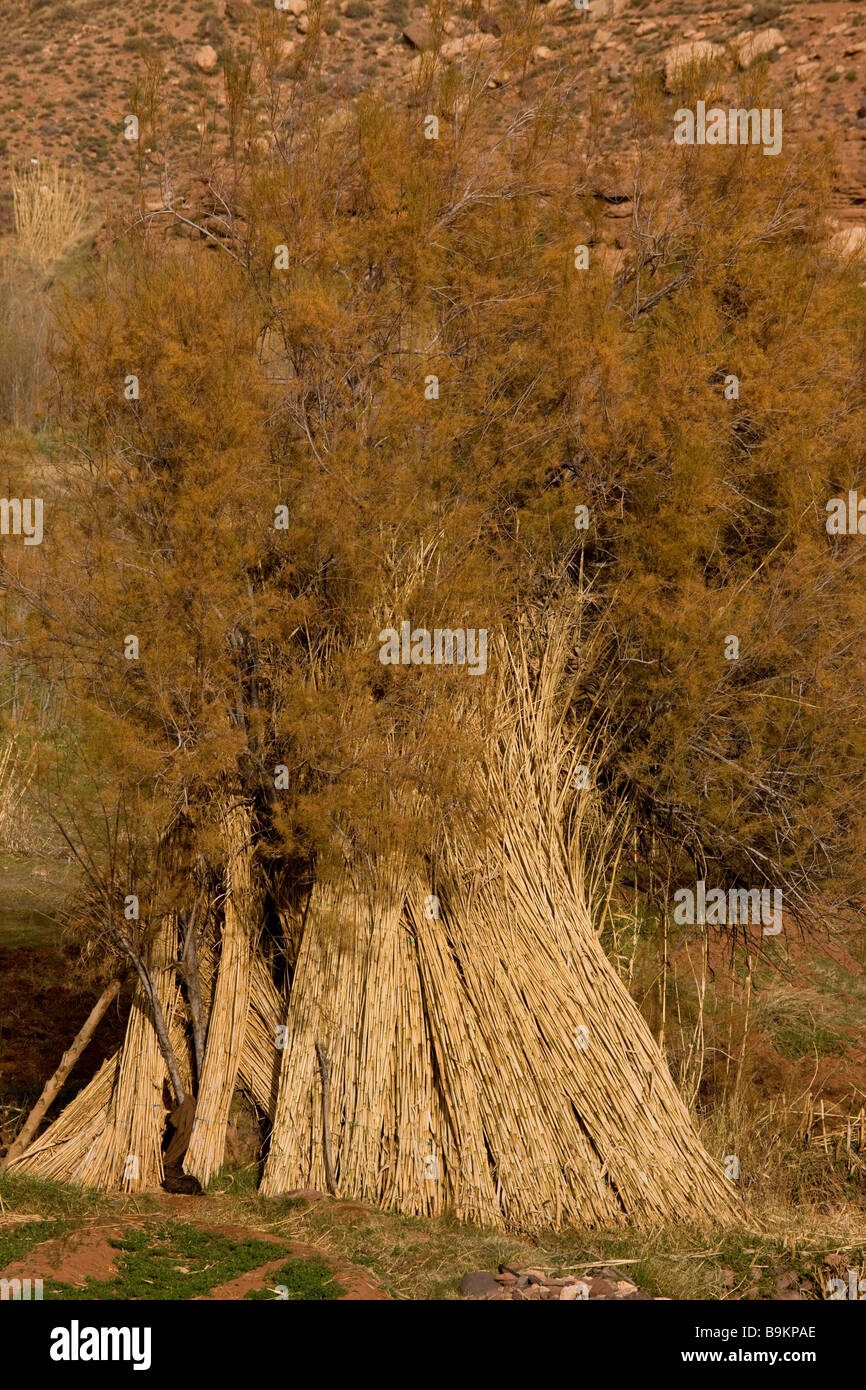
[325, 1069]
[55, 1083]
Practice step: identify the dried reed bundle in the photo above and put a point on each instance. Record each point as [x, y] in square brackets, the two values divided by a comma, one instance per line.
[63, 1151]
[58, 1152]
[356, 991]
[259, 1065]
[127, 1153]
[230, 1004]
[110, 1134]
[482, 1052]
[526, 1080]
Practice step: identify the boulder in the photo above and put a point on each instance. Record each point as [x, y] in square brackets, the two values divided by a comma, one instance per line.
[573, 1293]
[418, 35]
[752, 44]
[206, 58]
[469, 46]
[849, 244]
[489, 24]
[480, 1284]
[697, 51]
[240, 12]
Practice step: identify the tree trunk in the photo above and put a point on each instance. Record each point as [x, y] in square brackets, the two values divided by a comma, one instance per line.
[55, 1083]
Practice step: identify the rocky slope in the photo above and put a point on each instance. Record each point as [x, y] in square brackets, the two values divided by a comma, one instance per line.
[67, 69]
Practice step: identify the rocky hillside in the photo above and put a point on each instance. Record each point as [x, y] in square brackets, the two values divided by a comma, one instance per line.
[67, 69]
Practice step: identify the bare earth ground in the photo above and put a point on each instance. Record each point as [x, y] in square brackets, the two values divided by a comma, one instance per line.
[70, 1239]
[91, 1253]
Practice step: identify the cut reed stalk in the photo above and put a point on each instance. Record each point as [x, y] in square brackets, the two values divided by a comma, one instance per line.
[230, 1005]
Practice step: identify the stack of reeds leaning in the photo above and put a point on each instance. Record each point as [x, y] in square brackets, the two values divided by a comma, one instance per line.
[482, 1054]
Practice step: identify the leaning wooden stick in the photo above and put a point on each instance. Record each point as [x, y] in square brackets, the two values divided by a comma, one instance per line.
[324, 1068]
[55, 1082]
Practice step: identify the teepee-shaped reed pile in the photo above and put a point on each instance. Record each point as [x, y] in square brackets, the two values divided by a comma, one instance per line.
[449, 1033]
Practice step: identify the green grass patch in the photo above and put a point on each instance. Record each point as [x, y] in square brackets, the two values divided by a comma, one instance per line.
[173, 1261]
[17, 1241]
[300, 1280]
[795, 1043]
[44, 1197]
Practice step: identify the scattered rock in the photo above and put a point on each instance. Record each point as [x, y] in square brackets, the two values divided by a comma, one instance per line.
[480, 1285]
[206, 58]
[533, 1285]
[697, 51]
[752, 44]
[295, 7]
[572, 1292]
[542, 53]
[601, 1288]
[240, 12]
[418, 35]
[849, 244]
[468, 46]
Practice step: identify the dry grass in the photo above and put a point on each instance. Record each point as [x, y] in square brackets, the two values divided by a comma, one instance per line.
[24, 338]
[51, 210]
[16, 775]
